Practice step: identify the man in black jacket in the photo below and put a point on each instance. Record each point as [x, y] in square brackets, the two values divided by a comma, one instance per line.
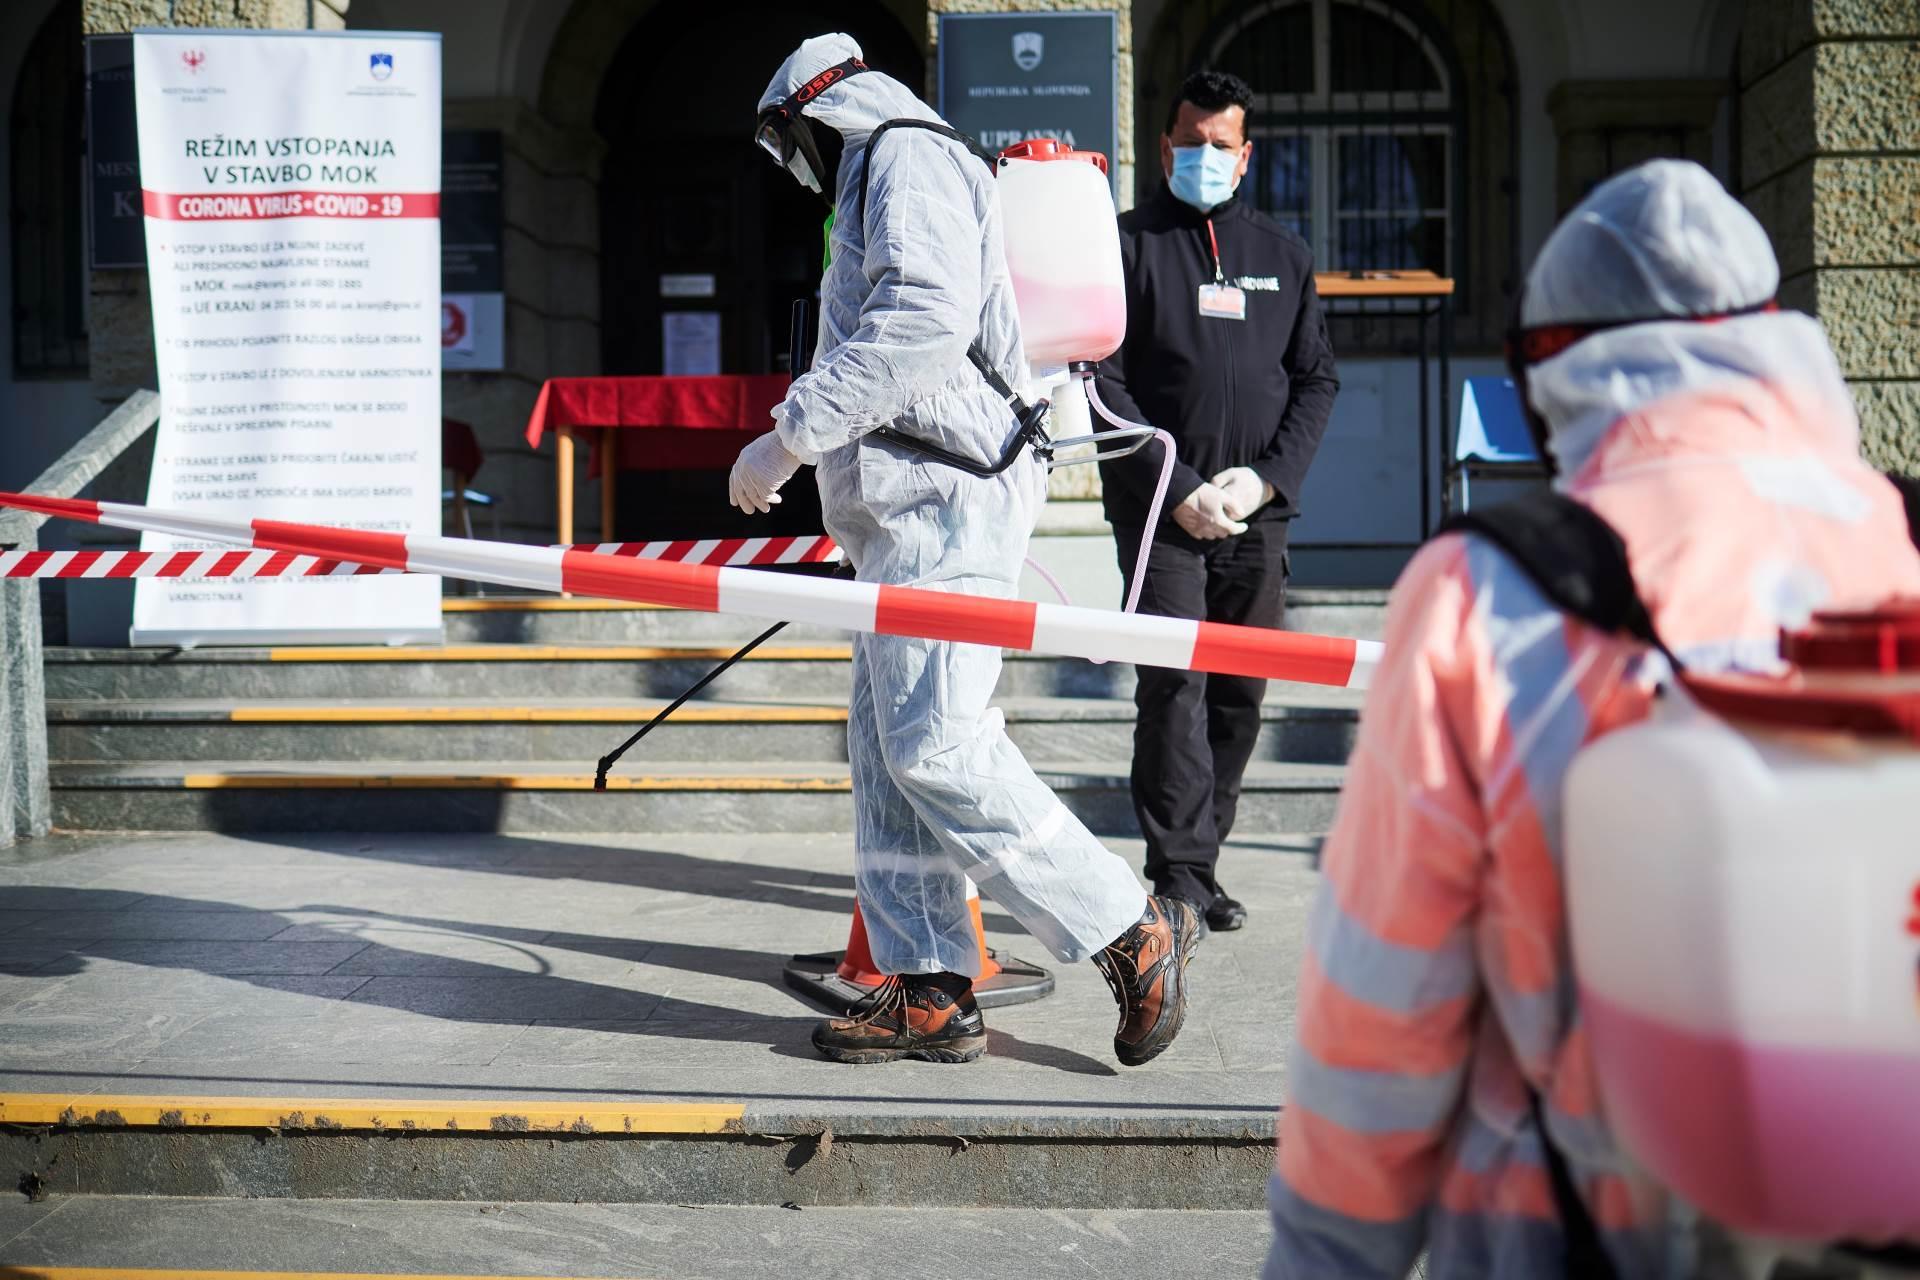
[1227, 350]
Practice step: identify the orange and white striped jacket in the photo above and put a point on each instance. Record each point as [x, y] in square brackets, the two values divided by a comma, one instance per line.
[1436, 990]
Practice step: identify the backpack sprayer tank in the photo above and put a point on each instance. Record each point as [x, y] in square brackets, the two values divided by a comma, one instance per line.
[1062, 242]
[1746, 934]
[1063, 253]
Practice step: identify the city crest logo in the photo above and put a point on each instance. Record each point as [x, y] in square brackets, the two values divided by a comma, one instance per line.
[380, 65]
[1028, 46]
[193, 58]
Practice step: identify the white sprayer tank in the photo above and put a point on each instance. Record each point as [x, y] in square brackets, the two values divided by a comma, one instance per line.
[1063, 254]
[1743, 873]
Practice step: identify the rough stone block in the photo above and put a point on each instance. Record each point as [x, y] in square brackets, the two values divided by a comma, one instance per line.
[1842, 212]
[557, 209]
[1890, 424]
[1832, 98]
[1872, 317]
[1776, 30]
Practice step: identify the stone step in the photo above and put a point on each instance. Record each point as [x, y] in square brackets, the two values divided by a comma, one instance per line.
[788, 1238]
[518, 671]
[1311, 726]
[536, 796]
[582, 620]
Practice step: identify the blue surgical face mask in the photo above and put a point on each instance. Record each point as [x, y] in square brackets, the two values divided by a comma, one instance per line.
[1203, 176]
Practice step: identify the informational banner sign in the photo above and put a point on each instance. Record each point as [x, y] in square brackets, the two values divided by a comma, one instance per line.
[291, 190]
[1007, 77]
[473, 304]
[115, 237]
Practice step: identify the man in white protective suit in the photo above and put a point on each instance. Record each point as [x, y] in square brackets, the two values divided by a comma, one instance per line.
[916, 277]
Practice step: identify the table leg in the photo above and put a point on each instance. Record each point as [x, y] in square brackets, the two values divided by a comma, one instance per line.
[564, 474]
[564, 465]
[609, 481]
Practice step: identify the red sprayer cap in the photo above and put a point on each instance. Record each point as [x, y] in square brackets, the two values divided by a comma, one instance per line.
[1052, 149]
[1854, 671]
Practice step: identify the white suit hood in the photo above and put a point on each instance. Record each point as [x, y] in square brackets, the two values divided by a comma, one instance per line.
[1664, 239]
[855, 106]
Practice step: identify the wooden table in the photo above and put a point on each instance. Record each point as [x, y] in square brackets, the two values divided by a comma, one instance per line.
[1434, 292]
[695, 423]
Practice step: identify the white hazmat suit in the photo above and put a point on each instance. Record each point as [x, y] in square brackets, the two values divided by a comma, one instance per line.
[917, 274]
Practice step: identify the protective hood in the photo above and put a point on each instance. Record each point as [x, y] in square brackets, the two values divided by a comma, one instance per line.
[1666, 239]
[854, 107]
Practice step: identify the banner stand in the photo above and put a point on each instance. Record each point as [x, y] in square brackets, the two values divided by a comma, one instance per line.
[290, 186]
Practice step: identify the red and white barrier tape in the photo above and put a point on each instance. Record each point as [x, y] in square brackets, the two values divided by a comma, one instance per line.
[176, 564]
[816, 549]
[1098, 634]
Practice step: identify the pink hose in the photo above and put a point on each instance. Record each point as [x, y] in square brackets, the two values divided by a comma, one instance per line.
[1159, 492]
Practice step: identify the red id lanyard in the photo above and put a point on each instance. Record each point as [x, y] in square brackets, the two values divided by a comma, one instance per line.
[1218, 276]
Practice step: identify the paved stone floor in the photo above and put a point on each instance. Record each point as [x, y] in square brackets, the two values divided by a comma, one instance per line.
[591, 966]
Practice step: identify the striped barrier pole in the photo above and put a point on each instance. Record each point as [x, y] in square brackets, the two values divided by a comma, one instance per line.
[1100, 635]
[817, 549]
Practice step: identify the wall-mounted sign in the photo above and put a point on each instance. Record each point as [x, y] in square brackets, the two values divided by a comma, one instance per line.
[472, 283]
[116, 237]
[1007, 77]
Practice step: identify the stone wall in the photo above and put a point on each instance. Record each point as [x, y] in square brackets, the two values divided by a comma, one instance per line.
[1830, 163]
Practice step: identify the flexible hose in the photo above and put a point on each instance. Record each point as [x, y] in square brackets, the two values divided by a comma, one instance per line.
[1159, 492]
[1048, 579]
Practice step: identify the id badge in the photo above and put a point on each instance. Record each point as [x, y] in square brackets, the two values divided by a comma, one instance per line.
[1223, 302]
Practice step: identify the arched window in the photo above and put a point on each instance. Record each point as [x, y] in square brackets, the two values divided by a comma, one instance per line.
[49, 248]
[1355, 129]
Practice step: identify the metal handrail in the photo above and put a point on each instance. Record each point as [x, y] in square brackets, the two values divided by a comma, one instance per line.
[26, 801]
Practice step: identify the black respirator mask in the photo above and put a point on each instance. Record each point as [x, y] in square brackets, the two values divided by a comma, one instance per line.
[1527, 347]
[809, 151]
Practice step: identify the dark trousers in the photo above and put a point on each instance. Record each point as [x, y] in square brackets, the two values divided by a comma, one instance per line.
[1195, 732]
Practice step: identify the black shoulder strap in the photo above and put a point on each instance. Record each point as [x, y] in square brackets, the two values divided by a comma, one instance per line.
[906, 122]
[1909, 487]
[1576, 559]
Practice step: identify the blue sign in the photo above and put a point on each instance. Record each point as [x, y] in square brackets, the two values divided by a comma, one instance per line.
[1008, 77]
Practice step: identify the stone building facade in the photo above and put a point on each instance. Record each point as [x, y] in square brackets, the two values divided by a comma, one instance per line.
[1803, 106]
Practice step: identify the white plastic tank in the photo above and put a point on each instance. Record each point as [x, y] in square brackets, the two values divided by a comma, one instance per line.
[1743, 874]
[1063, 252]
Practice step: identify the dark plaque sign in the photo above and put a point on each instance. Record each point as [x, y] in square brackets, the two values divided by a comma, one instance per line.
[1007, 77]
[470, 211]
[116, 233]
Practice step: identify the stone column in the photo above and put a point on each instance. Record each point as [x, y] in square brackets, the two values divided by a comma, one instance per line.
[120, 314]
[1830, 163]
[1605, 126]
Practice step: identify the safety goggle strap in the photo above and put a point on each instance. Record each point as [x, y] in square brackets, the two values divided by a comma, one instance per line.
[1544, 342]
[813, 88]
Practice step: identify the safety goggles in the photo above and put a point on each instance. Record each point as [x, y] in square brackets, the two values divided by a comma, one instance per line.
[1531, 346]
[780, 131]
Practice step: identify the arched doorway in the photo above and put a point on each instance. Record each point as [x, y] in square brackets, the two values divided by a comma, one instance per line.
[686, 196]
[685, 193]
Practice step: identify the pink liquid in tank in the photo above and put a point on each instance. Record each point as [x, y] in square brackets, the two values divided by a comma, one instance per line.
[1779, 1140]
[1065, 322]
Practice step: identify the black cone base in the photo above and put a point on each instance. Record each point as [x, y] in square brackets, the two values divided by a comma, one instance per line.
[816, 978]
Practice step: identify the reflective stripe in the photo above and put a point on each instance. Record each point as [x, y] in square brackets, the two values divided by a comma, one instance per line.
[1372, 1102]
[1386, 974]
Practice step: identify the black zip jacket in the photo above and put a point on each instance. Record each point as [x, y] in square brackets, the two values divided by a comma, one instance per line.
[1233, 393]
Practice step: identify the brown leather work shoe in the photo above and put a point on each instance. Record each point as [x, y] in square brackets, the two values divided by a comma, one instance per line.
[1147, 968]
[927, 1016]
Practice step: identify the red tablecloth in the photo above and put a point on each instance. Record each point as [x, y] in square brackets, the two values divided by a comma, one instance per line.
[678, 423]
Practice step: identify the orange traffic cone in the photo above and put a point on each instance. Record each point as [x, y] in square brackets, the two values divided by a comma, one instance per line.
[843, 982]
[856, 963]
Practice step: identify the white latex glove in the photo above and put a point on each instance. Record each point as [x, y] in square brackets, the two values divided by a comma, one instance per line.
[758, 473]
[1246, 491]
[1204, 514]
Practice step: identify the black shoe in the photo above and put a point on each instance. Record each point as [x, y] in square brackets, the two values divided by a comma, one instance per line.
[1147, 969]
[929, 1016]
[1224, 915]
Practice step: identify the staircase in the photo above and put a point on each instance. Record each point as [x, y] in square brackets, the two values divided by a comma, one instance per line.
[499, 729]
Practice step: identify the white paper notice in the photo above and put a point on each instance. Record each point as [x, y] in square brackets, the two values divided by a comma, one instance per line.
[292, 191]
[690, 343]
